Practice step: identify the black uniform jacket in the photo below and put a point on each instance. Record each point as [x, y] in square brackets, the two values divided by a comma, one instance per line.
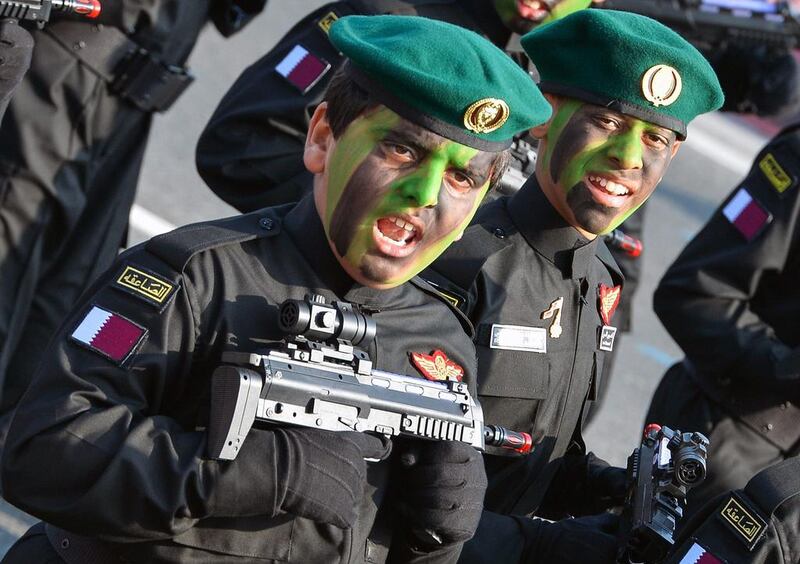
[251, 152]
[731, 298]
[115, 450]
[516, 260]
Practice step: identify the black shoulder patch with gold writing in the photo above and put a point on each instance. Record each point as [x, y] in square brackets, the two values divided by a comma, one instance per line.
[746, 524]
[145, 285]
[326, 21]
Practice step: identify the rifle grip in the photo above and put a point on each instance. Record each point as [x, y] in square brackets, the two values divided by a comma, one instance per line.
[235, 393]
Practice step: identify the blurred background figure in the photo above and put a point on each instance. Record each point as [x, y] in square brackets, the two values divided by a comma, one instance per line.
[16, 46]
[71, 146]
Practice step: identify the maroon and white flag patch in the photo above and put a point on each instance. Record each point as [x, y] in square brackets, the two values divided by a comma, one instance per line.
[699, 555]
[302, 69]
[109, 334]
[746, 214]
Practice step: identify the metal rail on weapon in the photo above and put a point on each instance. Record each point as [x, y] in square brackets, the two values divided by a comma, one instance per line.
[40, 11]
[660, 474]
[712, 22]
[319, 378]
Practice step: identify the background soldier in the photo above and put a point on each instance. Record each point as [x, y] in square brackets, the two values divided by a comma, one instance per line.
[541, 288]
[731, 302]
[757, 524]
[120, 396]
[71, 146]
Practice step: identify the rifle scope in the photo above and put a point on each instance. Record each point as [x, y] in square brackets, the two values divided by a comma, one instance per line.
[317, 320]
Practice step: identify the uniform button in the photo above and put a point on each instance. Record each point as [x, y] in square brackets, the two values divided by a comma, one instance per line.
[499, 232]
[266, 223]
[65, 543]
[767, 428]
[785, 405]
[79, 45]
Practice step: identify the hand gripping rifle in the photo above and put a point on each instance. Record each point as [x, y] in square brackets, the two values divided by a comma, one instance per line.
[39, 11]
[660, 474]
[319, 378]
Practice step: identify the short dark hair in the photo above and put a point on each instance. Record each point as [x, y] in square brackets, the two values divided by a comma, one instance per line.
[347, 100]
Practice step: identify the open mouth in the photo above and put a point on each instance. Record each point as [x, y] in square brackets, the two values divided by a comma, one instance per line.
[396, 236]
[607, 192]
[533, 10]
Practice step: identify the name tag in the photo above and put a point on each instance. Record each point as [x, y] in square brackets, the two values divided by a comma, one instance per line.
[607, 334]
[518, 338]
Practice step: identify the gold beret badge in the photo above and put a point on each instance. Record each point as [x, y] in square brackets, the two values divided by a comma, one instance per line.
[661, 85]
[487, 115]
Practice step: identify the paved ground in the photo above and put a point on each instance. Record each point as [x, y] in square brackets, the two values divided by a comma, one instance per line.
[717, 154]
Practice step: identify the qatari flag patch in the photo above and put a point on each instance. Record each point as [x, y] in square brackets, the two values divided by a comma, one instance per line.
[109, 334]
[746, 214]
[302, 69]
[699, 555]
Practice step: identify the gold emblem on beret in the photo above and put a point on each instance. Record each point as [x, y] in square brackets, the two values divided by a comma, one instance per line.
[661, 85]
[487, 115]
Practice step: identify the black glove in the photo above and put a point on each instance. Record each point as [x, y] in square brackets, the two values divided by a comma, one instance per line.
[442, 488]
[608, 485]
[16, 46]
[321, 474]
[585, 540]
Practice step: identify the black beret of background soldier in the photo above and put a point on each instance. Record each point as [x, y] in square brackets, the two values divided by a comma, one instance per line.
[71, 146]
[16, 47]
[405, 146]
[541, 288]
[731, 301]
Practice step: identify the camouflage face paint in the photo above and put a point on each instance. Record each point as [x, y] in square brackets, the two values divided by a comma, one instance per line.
[398, 195]
[600, 165]
[521, 16]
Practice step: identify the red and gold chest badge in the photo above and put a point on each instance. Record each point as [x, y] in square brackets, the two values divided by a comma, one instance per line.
[607, 302]
[437, 366]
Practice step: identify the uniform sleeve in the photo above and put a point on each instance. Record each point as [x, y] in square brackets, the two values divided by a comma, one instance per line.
[251, 152]
[706, 299]
[104, 441]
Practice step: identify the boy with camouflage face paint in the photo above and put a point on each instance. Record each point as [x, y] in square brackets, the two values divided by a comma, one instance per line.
[541, 288]
[411, 136]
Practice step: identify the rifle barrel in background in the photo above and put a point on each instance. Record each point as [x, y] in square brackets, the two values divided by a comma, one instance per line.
[711, 24]
[40, 11]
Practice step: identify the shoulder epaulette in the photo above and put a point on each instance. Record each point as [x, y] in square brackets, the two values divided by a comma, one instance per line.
[429, 288]
[177, 247]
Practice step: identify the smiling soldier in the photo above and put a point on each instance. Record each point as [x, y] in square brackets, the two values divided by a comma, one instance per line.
[541, 288]
[120, 403]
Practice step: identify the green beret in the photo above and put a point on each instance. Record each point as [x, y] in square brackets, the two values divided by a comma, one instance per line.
[628, 62]
[441, 76]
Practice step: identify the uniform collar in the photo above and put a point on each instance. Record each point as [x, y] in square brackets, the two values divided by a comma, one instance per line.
[304, 225]
[548, 233]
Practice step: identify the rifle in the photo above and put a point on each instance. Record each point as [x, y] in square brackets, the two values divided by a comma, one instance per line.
[39, 11]
[660, 474]
[712, 23]
[319, 378]
[628, 244]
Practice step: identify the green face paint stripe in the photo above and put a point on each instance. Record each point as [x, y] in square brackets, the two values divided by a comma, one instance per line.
[432, 253]
[426, 179]
[357, 142]
[559, 120]
[566, 8]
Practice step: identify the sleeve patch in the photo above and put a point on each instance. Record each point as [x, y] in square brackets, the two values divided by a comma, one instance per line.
[302, 69]
[746, 214]
[326, 21]
[743, 521]
[775, 173]
[145, 285]
[109, 334]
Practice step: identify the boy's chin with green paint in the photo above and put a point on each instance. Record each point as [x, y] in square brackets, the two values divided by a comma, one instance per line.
[521, 16]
